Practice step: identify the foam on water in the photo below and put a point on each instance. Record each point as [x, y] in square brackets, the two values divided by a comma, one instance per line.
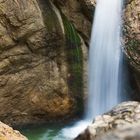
[72, 132]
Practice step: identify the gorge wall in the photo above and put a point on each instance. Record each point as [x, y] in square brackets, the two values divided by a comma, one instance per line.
[43, 57]
[131, 32]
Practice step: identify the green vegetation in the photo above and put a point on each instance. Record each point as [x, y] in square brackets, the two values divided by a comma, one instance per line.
[75, 60]
[132, 46]
[73, 52]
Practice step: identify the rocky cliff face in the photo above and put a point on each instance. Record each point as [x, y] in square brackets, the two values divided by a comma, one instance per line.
[41, 61]
[132, 39]
[80, 13]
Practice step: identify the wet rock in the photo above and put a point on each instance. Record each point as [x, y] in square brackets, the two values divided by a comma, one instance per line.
[125, 114]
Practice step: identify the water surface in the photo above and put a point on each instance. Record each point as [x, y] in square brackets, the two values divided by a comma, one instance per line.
[46, 132]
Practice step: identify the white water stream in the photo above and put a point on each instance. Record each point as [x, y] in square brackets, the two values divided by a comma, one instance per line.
[105, 60]
[105, 63]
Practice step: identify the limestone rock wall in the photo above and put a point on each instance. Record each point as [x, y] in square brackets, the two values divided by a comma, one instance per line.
[34, 69]
[131, 32]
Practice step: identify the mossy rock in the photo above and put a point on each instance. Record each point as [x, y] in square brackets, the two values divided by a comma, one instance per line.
[75, 61]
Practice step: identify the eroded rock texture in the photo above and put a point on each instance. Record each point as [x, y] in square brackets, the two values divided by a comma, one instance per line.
[7, 133]
[129, 132]
[34, 66]
[80, 13]
[125, 114]
[132, 39]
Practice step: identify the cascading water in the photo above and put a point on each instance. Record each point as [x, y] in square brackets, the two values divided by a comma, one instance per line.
[105, 63]
[105, 58]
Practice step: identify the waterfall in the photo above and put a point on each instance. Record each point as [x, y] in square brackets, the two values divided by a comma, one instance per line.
[105, 58]
[105, 64]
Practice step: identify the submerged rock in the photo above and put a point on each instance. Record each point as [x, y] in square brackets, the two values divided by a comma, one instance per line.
[125, 114]
[7, 133]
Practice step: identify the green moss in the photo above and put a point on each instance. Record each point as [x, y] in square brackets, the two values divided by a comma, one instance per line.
[73, 52]
[75, 60]
[71, 33]
[132, 47]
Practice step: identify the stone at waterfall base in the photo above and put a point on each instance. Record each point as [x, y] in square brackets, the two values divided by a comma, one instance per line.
[7, 133]
[124, 117]
[129, 132]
